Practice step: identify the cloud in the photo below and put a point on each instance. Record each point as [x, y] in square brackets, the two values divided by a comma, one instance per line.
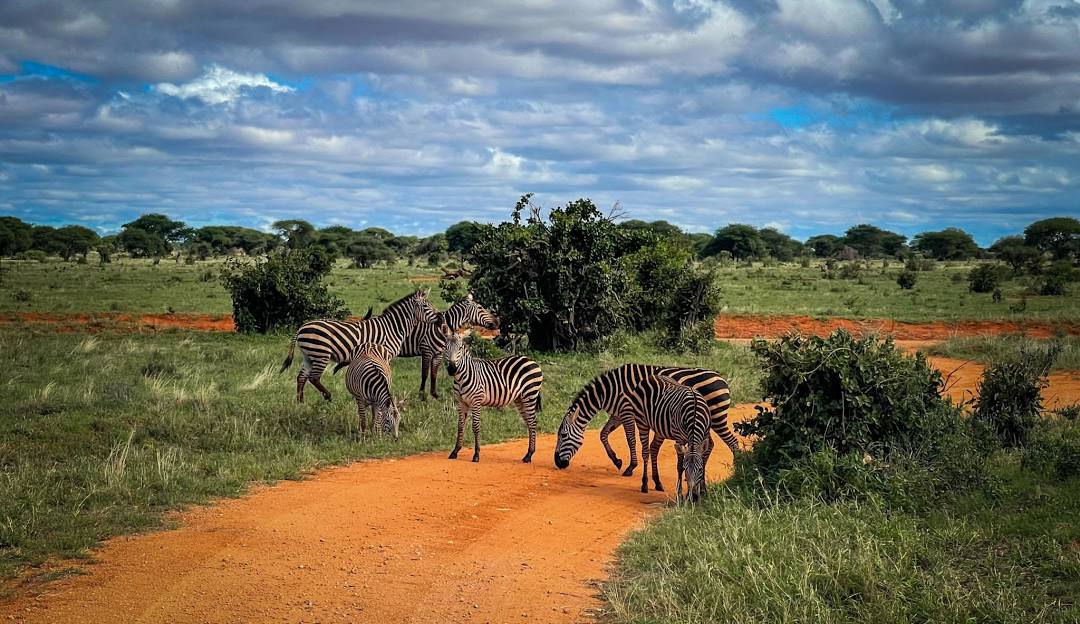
[219, 85]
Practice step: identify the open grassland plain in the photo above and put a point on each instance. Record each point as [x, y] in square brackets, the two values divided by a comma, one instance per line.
[101, 434]
[139, 286]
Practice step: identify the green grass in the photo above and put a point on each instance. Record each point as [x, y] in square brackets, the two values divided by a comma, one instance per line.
[99, 435]
[1007, 554]
[139, 286]
[987, 349]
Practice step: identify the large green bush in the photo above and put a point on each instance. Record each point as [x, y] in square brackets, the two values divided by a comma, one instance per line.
[847, 413]
[280, 291]
[573, 277]
[986, 277]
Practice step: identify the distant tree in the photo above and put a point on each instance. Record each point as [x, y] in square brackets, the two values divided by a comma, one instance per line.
[106, 247]
[75, 239]
[698, 241]
[365, 250]
[1014, 251]
[873, 242]
[1059, 236]
[15, 237]
[742, 241]
[779, 245]
[296, 233]
[380, 233]
[948, 244]
[403, 246]
[162, 227]
[335, 239]
[660, 228]
[140, 243]
[42, 238]
[463, 236]
[432, 245]
[224, 238]
[825, 245]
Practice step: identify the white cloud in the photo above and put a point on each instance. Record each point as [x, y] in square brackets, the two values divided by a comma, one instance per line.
[219, 85]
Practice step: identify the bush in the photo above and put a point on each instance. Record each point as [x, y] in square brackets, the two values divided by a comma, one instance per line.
[1009, 400]
[34, 255]
[22, 295]
[850, 270]
[1056, 279]
[688, 321]
[906, 279]
[855, 418]
[280, 291]
[986, 277]
[1055, 450]
[453, 290]
[483, 347]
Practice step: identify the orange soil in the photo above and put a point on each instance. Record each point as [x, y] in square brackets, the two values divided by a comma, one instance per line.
[107, 321]
[746, 326]
[419, 539]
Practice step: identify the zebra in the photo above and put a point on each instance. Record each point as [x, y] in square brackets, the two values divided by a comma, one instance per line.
[607, 392]
[368, 380]
[670, 410]
[491, 383]
[325, 340]
[427, 342]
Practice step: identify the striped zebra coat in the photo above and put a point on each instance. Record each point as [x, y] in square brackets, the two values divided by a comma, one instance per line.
[491, 383]
[607, 392]
[428, 342]
[368, 380]
[324, 341]
[671, 411]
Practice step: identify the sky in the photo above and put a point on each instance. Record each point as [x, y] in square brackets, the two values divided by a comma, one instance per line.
[806, 115]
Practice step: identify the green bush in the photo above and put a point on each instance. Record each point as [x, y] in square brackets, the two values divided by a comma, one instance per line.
[1010, 399]
[853, 398]
[483, 347]
[280, 291]
[850, 270]
[1055, 450]
[34, 255]
[906, 279]
[986, 277]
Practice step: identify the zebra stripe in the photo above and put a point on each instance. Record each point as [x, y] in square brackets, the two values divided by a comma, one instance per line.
[368, 380]
[606, 393]
[491, 383]
[324, 341]
[671, 411]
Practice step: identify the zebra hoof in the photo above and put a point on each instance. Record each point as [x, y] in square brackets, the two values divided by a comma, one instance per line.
[659, 487]
[476, 458]
[527, 459]
[629, 472]
[453, 455]
[326, 396]
[617, 462]
[644, 489]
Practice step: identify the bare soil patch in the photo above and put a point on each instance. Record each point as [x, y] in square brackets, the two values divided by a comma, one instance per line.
[743, 327]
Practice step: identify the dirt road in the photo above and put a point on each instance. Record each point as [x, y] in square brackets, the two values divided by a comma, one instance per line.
[419, 539]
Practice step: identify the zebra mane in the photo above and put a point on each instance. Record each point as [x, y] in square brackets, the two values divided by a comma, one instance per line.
[400, 303]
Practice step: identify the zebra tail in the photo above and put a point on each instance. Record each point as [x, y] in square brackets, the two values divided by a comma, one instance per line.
[340, 365]
[539, 401]
[288, 358]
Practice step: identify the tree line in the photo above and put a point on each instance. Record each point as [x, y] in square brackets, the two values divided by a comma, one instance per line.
[158, 236]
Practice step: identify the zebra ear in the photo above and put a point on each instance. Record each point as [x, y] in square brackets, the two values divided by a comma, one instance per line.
[469, 296]
[445, 329]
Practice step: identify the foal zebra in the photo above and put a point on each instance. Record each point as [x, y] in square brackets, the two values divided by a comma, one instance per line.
[491, 383]
[368, 380]
[607, 393]
[671, 411]
[325, 340]
[427, 341]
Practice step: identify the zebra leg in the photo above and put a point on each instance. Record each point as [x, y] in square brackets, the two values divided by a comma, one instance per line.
[679, 467]
[315, 381]
[463, 411]
[528, 414]
[433, 370]
[643, 435]
[423, 376]
[629, 427]
[301, 380]
[476, 432]
[654, 451]
[361, 414]
[608, 427]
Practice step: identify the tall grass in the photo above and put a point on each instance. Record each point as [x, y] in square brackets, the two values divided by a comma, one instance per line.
[988, 349]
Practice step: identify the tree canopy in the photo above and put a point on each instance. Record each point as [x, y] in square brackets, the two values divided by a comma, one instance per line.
[1059, 236]
[948, 244]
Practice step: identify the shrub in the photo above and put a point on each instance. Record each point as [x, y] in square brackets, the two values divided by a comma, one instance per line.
[483, 347]
[906, 279]
[843, 394]
[1056, 278]
[453, 290]
[22, 295]
[1055, 450]
[1009, 398]
[34, 255]
[280, 291]
[986, 277]
[850, 270]
[687, 324]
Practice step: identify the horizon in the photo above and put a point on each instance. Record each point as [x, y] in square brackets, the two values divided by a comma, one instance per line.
[810, 117]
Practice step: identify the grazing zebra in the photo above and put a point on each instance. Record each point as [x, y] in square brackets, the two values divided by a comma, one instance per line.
[607, 392]
[326, 340]
[491, 383]
[670, 411]
[368, 380]
[427, 341]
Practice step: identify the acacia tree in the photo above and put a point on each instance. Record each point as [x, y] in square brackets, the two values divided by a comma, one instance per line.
[152, 235]
[1059, 236]
[75, 239]
[15, 237]
[740, 240]
[296, 233]
[948, 244]
[873, 242]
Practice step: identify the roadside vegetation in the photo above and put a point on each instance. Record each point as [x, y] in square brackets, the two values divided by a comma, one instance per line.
[987, 349]
[841, 513]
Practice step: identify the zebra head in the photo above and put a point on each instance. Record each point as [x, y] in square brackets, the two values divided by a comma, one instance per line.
[456, 350]
[693, 462]
[391, 418]
[572, 430]
[423, 311]
[476, 314]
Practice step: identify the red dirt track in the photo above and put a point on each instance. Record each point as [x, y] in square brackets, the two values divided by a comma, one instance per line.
[746, 326]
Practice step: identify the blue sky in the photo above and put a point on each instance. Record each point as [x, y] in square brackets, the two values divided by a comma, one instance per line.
[809, 115]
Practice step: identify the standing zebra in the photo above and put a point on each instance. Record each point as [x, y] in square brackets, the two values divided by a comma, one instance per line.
[368, 380]
[491, 383]
[427, 341]
[607, 392]
[325, 340]
[670, 411]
